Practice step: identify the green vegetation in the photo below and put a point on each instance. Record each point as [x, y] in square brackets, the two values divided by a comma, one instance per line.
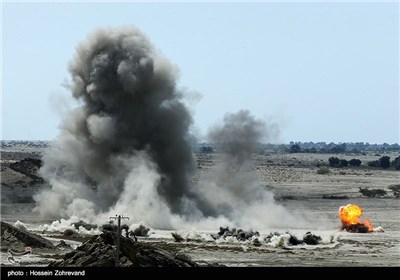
[334, 161]
[372, 193]
[355, 162]
[384, 162]
[396, 163]
[68, 232]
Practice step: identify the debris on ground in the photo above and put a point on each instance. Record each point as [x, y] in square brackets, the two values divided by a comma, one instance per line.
[100, 251]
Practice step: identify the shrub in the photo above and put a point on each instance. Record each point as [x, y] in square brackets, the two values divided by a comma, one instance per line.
[68, 232]
[396, 163]
[333, 161]
[323, 170]
[355, 162]
[372, 193]
[336, 162]
[384, 162]
[343, 163]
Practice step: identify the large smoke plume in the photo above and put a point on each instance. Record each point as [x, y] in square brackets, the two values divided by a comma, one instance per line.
[126, 149]
[131, 127]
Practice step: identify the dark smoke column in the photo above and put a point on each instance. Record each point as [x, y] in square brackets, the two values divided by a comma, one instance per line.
[130, 105]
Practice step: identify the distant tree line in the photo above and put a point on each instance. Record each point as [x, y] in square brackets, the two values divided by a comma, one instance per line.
[383, 162]
[311, 147]
[323, 147]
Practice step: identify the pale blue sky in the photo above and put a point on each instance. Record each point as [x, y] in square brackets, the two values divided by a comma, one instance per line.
[322, 71]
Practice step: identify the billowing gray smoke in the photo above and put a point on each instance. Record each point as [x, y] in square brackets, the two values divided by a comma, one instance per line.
[130, 110]
[239, 136]
[232, 188]
[125, 149]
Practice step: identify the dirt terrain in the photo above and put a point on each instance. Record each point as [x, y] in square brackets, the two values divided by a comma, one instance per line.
[294, 175]
[295, 183]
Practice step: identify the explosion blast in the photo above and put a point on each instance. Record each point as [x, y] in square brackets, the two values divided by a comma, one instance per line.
[126, 149]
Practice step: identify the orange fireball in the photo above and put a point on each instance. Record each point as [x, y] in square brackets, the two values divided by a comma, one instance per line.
[349, 216]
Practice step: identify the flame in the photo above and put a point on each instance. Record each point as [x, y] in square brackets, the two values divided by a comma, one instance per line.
[350, 214]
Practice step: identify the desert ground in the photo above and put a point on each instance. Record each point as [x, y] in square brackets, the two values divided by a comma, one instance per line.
[295, 183]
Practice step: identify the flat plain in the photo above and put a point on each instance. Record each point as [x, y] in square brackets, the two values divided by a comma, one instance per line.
[294, 180]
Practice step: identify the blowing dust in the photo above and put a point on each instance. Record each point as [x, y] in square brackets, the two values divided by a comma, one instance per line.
[126, 149]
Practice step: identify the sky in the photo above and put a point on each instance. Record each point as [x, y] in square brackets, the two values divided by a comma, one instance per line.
[318, 71]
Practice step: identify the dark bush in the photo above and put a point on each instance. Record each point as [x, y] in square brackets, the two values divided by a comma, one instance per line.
[372, 193]
[68, 232]
[355, 162]
[343, 163]
[396, 163]
[384, 162]
[334, 162]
